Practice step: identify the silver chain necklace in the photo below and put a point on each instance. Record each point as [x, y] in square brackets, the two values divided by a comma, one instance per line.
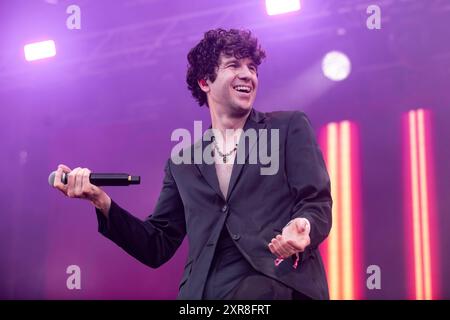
[223, 155]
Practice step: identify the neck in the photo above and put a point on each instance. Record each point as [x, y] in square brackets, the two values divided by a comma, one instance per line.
[227, 123]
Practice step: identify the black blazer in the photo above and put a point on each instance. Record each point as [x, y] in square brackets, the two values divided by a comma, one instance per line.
[255, 210]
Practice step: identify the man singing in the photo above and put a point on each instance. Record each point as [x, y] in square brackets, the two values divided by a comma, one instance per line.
[251, 235]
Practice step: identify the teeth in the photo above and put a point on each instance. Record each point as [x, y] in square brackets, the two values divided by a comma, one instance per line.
[243, 88]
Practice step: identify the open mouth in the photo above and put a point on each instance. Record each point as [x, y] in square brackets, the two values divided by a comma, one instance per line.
[243, 89]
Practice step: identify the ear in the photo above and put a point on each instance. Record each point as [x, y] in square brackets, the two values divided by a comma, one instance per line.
[203, 84]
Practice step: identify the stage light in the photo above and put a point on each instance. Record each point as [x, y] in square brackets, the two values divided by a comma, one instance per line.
[336, 66]
[421, 220]
[343, 259]
[274, 7]
[39, 50]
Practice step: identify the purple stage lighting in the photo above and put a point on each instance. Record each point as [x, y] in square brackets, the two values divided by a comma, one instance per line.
[39, 50]
[274, 7]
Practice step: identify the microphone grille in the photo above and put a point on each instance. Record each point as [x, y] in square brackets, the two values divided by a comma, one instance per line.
[51, 178]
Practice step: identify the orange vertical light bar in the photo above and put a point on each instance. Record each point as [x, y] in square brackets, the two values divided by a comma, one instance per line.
[425, 228]
[422, 192]
[346, 229]
[417, 241]
[334, 270]
[340, 254]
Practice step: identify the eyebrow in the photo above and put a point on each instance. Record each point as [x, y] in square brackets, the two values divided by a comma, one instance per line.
[232, 60]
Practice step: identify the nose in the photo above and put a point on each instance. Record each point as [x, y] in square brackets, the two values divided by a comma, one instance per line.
[244, 73]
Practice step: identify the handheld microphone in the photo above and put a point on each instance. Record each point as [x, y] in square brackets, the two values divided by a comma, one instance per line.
[102, 179]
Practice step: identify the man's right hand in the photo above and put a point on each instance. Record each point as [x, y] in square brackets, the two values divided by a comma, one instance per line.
[79, 186]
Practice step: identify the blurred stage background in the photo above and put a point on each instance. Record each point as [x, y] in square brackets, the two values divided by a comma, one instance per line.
[115, 90]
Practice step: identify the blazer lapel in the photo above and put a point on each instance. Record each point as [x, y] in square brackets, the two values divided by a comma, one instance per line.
[208, 171]
[255, 121]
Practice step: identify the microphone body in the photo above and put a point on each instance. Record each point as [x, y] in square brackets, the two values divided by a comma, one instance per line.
[103, 179]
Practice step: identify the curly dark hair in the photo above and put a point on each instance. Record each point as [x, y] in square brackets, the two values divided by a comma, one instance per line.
[204, 57]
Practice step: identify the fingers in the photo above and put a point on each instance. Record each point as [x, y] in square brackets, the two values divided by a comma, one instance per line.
[282, 249]
[71, 182]
[302, 225]
[301, 239]
[296, 234]
[288, 248]
[299, 247]
[65, 168]
[57, 183]
[87, 189]
[78, 183]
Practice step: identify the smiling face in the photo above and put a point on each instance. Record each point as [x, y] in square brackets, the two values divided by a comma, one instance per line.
[234, 89]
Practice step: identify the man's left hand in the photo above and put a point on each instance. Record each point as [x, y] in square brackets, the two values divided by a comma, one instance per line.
[294, 238]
